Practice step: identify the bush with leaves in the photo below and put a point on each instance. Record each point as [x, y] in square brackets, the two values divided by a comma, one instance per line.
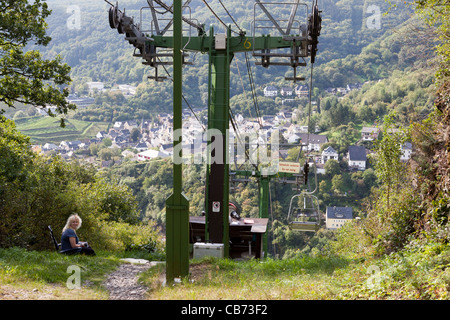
[37, 191]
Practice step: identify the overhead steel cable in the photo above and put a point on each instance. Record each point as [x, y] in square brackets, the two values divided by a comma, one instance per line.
[243, 86]
[185, 100]
[232, 19]
[189, 22]
[234, 125]
[309, 108]
[217, 17]
[252, 88]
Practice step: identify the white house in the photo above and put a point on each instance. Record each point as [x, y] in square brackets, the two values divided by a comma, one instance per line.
[286, 91]
[270, 91]
[329, 154]
[406, 151]
[49, 146]
[314, 141]
[302, 91]
[293, 138]
[127, 90]
[336, 217]
[357, 157]
[99, 86]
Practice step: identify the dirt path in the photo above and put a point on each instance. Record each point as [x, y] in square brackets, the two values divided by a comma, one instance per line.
[123, 283]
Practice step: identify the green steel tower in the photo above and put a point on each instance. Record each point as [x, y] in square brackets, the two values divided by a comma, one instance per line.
[296, 41]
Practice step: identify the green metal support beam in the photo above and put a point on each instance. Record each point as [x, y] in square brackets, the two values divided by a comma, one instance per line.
[218, 125]
[264, 206]
[221, 54]
[236, 44]
[217, 171]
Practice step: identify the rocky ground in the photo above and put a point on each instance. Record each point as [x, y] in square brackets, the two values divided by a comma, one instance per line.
[123, 283]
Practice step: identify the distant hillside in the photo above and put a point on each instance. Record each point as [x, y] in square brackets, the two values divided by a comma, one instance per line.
[81, 34]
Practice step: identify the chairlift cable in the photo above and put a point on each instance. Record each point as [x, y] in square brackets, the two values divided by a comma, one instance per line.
[152, 7]
[252, 87]
[234, 21]
[309, 109]
[170, 9]
[184, 98]
[217, 17]
[242, 83]
[233, 124]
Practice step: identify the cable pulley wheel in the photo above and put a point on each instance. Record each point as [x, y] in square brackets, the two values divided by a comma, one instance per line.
[114, 18]
[314, 28]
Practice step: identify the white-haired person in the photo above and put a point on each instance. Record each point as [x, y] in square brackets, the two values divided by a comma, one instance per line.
[69, 239]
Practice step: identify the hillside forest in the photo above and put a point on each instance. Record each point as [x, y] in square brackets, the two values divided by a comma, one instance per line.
[398, 52]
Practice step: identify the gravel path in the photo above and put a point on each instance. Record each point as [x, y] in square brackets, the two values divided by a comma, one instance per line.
[123, 283]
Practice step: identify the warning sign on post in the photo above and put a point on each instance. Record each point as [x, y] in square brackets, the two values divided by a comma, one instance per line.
[216, 206]
[289, 167]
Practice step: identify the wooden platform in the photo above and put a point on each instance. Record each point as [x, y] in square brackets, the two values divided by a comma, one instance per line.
[245, 235]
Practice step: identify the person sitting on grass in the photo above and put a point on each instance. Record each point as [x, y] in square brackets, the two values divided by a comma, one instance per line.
[69, 239]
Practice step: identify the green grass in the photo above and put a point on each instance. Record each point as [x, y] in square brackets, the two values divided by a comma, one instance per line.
[24, 271]
[418, 272]
[415, 273]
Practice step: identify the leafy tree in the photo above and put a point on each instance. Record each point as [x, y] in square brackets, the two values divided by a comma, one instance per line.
[332, 168]
[24, 75]
[338, 183]
[388, 166]
[15, 153]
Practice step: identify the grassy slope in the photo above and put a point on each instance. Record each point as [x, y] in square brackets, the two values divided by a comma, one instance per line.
[416, 273]
[47, 129]
[420, 272]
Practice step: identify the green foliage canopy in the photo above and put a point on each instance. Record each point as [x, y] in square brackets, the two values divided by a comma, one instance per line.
[24, 75]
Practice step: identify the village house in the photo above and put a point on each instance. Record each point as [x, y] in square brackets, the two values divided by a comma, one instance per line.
[95, 86]
[141, 146]
[302, 91]
[354, 86]
[70, 145]
[284, 115]
[331, 91]
[369, 133]
[101, 134]
[49, 147]
[342, 91]
[357, 157]
[81, 102]
[268, 120]
[127, 90]
[406, 151]
[336, 217]
[151, 154]
[314, 141]
[286, 91]
[130, 124]
[270, 91]
[293, 138]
